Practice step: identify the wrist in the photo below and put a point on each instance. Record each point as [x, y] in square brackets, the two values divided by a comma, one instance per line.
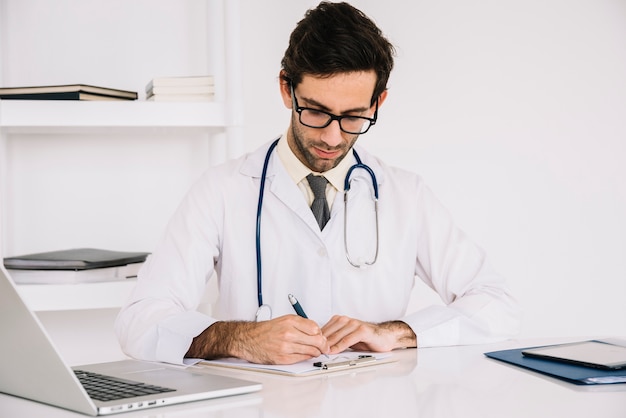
[221, 339]
[402, 336]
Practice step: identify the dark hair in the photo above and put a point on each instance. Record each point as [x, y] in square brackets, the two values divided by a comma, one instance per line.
[337, 38]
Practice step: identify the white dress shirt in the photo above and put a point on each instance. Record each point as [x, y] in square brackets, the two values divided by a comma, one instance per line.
[298, 172]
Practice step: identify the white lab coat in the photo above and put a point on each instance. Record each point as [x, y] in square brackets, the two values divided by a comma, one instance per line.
[214, 230]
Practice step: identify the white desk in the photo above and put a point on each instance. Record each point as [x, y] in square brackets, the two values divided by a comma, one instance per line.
[432, 382]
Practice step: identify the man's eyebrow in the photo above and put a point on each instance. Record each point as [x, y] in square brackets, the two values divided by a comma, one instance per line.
[313, 102]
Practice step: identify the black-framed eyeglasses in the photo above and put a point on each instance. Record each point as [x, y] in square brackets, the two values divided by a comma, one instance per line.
[316, 118]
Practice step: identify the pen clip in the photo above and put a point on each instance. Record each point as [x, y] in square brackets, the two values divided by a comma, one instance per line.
[361, 360]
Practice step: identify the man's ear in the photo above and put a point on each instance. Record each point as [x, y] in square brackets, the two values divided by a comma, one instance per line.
[285, 89]
[381, 98]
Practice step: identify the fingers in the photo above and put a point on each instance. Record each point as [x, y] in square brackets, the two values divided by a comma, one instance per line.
[311, 336]
[286, 340]
[308, 337]
[343, 332]
[306, 326]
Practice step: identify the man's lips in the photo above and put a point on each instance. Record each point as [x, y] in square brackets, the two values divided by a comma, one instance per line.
[329, 155]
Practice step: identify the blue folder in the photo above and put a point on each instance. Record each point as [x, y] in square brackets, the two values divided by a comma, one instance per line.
[579, 375]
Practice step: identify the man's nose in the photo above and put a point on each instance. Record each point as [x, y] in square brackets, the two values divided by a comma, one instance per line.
[332, 134]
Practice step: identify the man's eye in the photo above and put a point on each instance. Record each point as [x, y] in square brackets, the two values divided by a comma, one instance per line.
[316, 113]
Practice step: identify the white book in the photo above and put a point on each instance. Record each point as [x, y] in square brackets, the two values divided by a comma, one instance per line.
[199, 89]
[205, 80]
[181, 97]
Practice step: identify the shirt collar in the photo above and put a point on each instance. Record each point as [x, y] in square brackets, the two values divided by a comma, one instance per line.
[298, 171]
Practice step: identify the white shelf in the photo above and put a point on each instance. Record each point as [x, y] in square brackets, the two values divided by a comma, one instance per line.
[75, 296]
[220, 121]
[49, 116]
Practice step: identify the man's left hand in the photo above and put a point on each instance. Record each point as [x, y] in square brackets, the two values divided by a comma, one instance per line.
[343, 332]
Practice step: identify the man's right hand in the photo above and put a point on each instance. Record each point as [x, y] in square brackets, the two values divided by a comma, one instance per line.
[284, 340]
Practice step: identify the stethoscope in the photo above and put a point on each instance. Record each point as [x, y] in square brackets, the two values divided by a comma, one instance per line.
[264, 312]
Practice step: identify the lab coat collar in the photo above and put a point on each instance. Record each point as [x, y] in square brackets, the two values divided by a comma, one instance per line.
[280, 184]
[252, 165]
[285, 189]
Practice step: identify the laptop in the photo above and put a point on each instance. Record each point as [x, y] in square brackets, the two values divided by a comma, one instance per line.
[31, 368]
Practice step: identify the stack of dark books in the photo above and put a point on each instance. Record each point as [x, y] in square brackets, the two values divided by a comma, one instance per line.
[66, 92]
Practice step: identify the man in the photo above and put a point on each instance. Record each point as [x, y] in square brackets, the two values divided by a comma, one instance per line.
[352, 271]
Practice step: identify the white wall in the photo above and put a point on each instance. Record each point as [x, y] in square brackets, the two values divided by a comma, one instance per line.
[514, 112]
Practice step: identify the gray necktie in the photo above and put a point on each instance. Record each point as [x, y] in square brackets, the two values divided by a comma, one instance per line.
[319, 205]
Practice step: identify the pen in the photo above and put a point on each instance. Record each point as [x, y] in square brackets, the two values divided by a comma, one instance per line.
[296, 306]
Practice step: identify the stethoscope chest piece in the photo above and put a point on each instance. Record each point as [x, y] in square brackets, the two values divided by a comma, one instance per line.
[264, 313]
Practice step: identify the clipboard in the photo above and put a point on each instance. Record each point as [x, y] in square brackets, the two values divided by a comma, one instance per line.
[349, 360]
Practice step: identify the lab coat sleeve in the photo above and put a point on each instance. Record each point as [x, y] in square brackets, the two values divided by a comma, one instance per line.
[477, 305]
[159, 321]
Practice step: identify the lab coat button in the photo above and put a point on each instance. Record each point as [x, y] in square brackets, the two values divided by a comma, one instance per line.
[322, 252]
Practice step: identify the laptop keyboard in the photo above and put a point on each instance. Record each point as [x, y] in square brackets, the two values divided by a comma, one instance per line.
[108, 388]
